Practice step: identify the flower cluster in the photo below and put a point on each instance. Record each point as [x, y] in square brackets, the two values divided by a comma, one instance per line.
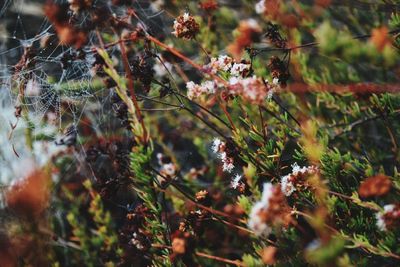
[222, 63]
[291, 181]
[237, 181]
[226, 63]
[240, 69]
[185, 26]
[251, 89]
[271, 209]
[219, 147]
[389, 218]
[197, 90]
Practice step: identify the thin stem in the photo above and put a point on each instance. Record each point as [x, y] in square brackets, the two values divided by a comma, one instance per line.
[205, 255]
[312, 44]
[233, 262]
[285, 110]
[223, 107]
[214, 128]
[205, 109]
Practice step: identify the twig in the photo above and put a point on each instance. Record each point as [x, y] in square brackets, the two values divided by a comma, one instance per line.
[205, 255]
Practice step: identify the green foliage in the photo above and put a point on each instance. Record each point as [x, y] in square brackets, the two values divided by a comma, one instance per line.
[157, 176]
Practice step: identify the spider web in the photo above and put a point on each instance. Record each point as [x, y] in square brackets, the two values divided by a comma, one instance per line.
[56, 96]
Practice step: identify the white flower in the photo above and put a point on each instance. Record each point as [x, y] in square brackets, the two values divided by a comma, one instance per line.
[169, 169]
[234, 80]
[225, 62]
[136, 242]
[215, 145]
[227, 167]
[380, 220]
[388, 208]
[295, 168]
[236, 181]
[209, 87]
[239, 68]
[287, 187]
[195, 90]
[256, 223]
[288, 182]
[190, 85]
[260, 7]
[227, 163]
[267, 193]
[186, 16]
[222, 63]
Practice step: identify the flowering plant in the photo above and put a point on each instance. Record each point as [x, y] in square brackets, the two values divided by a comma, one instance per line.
[205, 133]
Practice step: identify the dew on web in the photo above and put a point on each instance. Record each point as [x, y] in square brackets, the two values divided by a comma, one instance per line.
[55, 95]
[59, 93]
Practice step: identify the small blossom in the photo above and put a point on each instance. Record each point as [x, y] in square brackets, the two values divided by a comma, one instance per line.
[219, 147]
[222, 63]
[185, 26]
[287, 186]
[390, 217]
[291, 180]
[140, 241]
[169, 169]
[216, 145]
[227, 162]
[255, 221]
[236, 181]
[167, 172]
[271, 209]
[240, 69]
[251, 89]
[197, 90]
